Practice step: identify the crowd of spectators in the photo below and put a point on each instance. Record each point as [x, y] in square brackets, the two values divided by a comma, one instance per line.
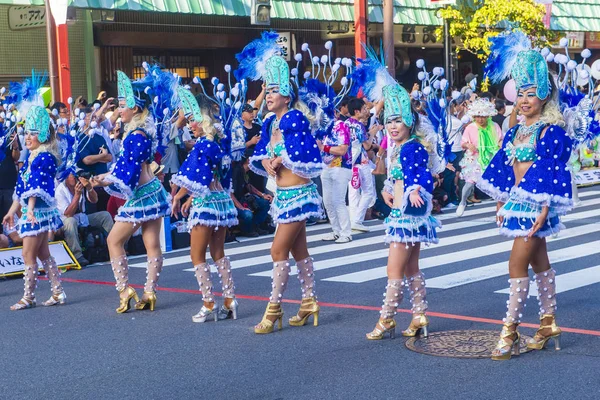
[86, 208]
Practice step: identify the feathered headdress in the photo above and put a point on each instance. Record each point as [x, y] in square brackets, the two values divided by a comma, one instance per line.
[434, 93]
[229, 97]
[579, 109]
[253, 58]
[161, 89]
[316, 89]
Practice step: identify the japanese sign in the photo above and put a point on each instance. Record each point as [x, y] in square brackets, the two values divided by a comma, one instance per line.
[26, 17]
[288, 45]
[11, 260]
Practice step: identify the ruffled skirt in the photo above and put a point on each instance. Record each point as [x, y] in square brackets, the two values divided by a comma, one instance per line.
[404, 228]
[47, 220]
[470, 168]
[296, 203]
[520, 215]
[150, 201]
[215, 209]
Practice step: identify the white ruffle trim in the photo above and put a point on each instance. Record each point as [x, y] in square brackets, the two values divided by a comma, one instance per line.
[212, 223]
[523, 233]
[303, 169]
[560, 205]
[317, 201]
[425, 195]
[114, 193]
[297, 218]
[39, 193]
[493, 191]
[145, 218]
[212, 211]
[196, 189]
[389, 239]
[124, 190]
[258, 159]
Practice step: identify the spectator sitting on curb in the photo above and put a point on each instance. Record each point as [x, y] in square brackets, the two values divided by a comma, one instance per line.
[71, 203]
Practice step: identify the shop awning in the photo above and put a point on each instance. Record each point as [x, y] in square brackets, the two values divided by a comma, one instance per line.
[567, 15]
[576, 16]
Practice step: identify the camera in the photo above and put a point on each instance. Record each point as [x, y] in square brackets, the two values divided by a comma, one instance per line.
[84, 175]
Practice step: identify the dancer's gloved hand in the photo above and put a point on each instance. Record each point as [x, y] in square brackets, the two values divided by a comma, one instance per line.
[388, 198]
[185, 208]
[415, 199]
[539, 222]
[499, 218]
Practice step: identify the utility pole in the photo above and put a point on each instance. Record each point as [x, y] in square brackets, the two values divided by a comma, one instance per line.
[388, 35]
[448, 67]
[52, 65]
[360, 26]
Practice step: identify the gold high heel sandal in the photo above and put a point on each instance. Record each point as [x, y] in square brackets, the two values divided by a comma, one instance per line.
[380, 329]
[310, 307]
[507, 346]
[266, 325]
[420, 322]
[124, 305]
[150, 301]
[538, 342]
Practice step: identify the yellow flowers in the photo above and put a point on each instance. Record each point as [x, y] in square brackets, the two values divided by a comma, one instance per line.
[487, 18]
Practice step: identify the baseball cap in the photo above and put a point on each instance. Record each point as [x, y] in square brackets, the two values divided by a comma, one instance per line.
[247, 108]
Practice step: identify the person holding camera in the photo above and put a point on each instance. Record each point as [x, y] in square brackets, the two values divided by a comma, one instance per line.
[71, 197]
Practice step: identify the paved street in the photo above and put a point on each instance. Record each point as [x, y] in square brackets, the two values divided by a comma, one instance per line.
[85, 350]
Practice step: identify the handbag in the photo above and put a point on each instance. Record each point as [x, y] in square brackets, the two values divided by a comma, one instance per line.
[355, 181]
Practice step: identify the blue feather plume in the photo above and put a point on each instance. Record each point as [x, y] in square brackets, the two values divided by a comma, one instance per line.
[254, 56]
[371, 75]
[504, 50]
[320, 100]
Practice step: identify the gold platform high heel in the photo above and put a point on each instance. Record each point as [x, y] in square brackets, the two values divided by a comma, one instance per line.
[420, 322]
[124, 305]
[507, 346]
[310, 307]
[149, 302]
[380, 329]
[266, 325]
[538, 342]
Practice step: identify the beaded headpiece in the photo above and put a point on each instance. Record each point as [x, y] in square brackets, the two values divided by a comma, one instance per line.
[189, 104]
[38, 121]
[397, 104]
[531, 70]
[125, 91]
[278, 74]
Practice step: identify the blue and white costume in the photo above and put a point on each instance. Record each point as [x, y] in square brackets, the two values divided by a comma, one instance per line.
[206, 176]
[407, 224]
[36, 179]
[144, 202]
[300, 154]
[147, 201]
[546, 183]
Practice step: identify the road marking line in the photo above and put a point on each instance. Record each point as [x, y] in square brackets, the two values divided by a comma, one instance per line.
[461, 255]
[338, 305]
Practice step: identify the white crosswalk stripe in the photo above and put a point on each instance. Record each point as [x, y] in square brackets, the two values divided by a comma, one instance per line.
[455, 237]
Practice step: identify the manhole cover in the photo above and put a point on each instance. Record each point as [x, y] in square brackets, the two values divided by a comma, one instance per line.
[460, 344]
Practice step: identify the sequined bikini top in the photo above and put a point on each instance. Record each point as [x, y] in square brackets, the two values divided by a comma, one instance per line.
[276, 150]
[523, 152]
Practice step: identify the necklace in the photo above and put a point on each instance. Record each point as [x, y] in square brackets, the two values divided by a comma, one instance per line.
[275, 124]
[525, 131]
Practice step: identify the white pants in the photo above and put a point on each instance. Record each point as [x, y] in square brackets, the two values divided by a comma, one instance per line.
[335, 184]
[364, 197]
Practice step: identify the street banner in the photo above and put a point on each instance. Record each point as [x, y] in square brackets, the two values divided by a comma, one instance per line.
[587, 177]
[11, 259]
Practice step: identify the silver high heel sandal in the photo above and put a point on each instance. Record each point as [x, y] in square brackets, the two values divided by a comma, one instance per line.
[224, 312]
[205, 312]
[55, 299]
